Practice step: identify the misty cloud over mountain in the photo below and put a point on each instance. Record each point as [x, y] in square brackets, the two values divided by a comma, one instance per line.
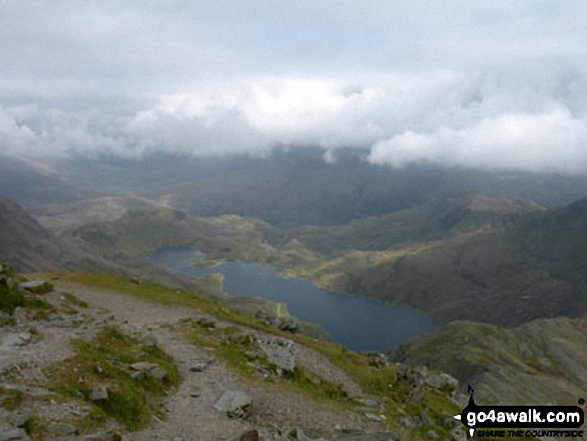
[482, 84]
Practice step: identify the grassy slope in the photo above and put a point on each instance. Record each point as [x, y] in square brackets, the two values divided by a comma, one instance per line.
[540, 362]
[378, 381]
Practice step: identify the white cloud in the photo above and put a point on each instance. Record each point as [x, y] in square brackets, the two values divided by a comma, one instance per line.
[439, 81]
[552, 141]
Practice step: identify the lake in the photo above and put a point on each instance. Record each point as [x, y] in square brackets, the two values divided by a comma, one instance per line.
[359, 323]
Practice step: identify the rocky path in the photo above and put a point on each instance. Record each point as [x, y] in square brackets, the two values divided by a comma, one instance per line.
[190, 409]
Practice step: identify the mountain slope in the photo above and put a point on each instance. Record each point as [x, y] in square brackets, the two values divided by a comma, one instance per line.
[33, 184]
[543, 361]
[530, 268]
[296, 187]
[27, 246]
[432, 221]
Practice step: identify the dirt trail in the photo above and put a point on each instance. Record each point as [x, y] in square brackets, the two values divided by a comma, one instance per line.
[191, 415]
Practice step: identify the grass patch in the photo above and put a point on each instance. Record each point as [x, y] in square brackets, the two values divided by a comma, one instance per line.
[10, 399]
[41, 307]
[70, 298]
[104, 361]
[10, 295]
[10, 298]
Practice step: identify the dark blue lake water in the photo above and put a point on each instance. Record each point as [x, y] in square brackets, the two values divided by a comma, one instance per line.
[359, 323]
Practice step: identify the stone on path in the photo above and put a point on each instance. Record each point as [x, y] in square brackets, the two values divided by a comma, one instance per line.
[235, 404]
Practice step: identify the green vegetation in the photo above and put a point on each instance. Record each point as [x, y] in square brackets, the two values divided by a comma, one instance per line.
[70, 298]
[231, 346]
[43, 288]
[41, 307]
[105, 361]
[537, 362]
[10, 295]
[137, 234]
[10, 399]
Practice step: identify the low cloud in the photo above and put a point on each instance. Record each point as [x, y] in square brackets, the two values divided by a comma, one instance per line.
[552, 141]
[483, 84]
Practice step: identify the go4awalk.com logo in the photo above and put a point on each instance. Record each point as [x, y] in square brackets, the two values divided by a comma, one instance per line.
[522, 421]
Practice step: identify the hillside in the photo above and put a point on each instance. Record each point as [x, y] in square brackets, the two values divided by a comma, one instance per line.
[296, 187]
[432, 221]
[543, 361]
[104, 358]
[33, 184]
[511, 271]
[27, 246]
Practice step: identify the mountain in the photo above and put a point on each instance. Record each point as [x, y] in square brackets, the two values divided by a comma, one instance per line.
[530, 266]
[33, 184]
[433, 221]
[27, 246]
[543, 361]
[296, 187]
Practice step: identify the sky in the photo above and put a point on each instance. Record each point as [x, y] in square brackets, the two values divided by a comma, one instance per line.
[482, 83]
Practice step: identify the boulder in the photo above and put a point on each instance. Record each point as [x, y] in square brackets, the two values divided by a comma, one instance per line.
[440, 381]
[235, 404]
[19, 419]
[99, 393]
[158, 373]
[279, 351]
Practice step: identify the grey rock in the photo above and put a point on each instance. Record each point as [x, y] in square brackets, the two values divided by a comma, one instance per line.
[408, 422]
[158, 373]
[235, 404]
[17, 340]
[279, 351]
[432, 434]
[440, 381]
[138, 375]
[200, 367]
[13, 435]
[32, 284]
[143, 366]
[61, 429]
[374, 417]
[19, 419]
[99, 393]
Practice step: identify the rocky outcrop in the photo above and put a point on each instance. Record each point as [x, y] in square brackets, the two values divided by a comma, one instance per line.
[280, 352]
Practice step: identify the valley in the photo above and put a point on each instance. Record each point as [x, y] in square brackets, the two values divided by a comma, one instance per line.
[492, 281]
